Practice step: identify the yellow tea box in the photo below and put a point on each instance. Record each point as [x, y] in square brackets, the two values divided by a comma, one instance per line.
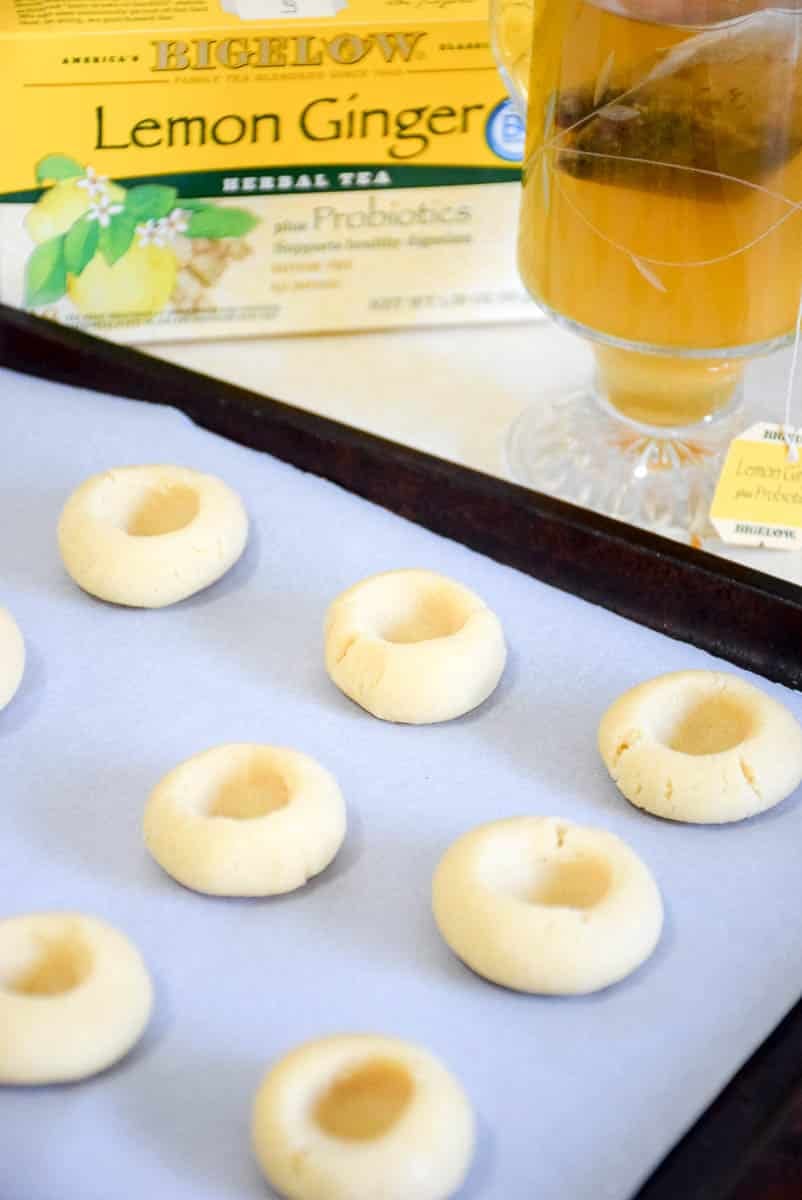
[197, 168]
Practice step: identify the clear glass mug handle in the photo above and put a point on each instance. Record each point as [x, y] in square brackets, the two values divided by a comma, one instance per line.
[511, 27]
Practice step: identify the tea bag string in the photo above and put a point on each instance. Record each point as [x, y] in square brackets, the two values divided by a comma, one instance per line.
[790, 439]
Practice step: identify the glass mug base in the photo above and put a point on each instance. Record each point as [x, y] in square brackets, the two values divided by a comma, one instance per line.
[577, 447]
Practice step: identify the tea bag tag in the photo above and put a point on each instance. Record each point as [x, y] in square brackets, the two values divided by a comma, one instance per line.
[758, 500]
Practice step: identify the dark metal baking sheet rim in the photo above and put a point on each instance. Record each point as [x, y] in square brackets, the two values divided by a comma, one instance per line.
[748, 618]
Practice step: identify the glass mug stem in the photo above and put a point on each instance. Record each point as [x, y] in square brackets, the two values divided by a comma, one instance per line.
[661, 391]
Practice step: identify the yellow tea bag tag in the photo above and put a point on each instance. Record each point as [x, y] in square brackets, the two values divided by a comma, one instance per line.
[758, 499]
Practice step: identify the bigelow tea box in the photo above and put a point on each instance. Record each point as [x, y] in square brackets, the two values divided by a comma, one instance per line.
[195, 168]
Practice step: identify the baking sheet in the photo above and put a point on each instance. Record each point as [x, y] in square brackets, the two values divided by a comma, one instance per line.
[576, 1098]
[436, 385]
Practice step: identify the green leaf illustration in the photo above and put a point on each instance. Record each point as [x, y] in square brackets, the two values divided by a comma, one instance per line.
[116, 237]
[190, 205]
[150, 201]
[221, 222]
[57, 166]
[45, 273]
[80, 244]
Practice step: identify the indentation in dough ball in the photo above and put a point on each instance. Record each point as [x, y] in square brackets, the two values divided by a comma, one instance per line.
[705, 724]
[561, 879]
[364, 1103]
[163, 510]
[253, 790]
[57, 965]
[580, 883]
[422, 617]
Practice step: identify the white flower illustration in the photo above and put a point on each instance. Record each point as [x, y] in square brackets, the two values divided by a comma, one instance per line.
[151, 233]
[102, 210]
[165, 230]
[93, 183]
[178, 221]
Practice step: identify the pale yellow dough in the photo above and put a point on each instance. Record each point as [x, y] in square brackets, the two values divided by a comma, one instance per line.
[361, 1117]
[540, 905]
[414, 647]
[702, 747]
[245, 820]
[75, 996]
[150, 536]
[12, 657]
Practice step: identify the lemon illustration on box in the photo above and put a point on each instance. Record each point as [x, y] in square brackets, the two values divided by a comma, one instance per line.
[126, 252]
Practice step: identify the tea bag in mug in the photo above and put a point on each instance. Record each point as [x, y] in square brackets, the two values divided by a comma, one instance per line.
[724, 102]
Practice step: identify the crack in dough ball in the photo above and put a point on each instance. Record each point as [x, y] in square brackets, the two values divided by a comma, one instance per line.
[245, 820]
[358, 1117]
[541, 905]
[701, 747]
[75, 996]
[12, 657]
[413, 647]
[150, 536]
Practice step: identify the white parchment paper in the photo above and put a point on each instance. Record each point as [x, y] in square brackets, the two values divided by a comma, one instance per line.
[577, 1099]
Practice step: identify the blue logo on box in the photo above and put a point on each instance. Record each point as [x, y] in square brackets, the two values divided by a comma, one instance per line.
[506, 132]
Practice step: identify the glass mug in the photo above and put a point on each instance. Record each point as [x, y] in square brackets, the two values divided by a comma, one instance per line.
[660, 220]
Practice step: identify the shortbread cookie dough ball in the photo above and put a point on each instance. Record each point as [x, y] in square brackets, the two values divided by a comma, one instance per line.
[362, 1117]
[150, 536]
[702, 747]
[540, 905]
[245, 820]
[414, 646]
[75, 996]
[12, 657]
